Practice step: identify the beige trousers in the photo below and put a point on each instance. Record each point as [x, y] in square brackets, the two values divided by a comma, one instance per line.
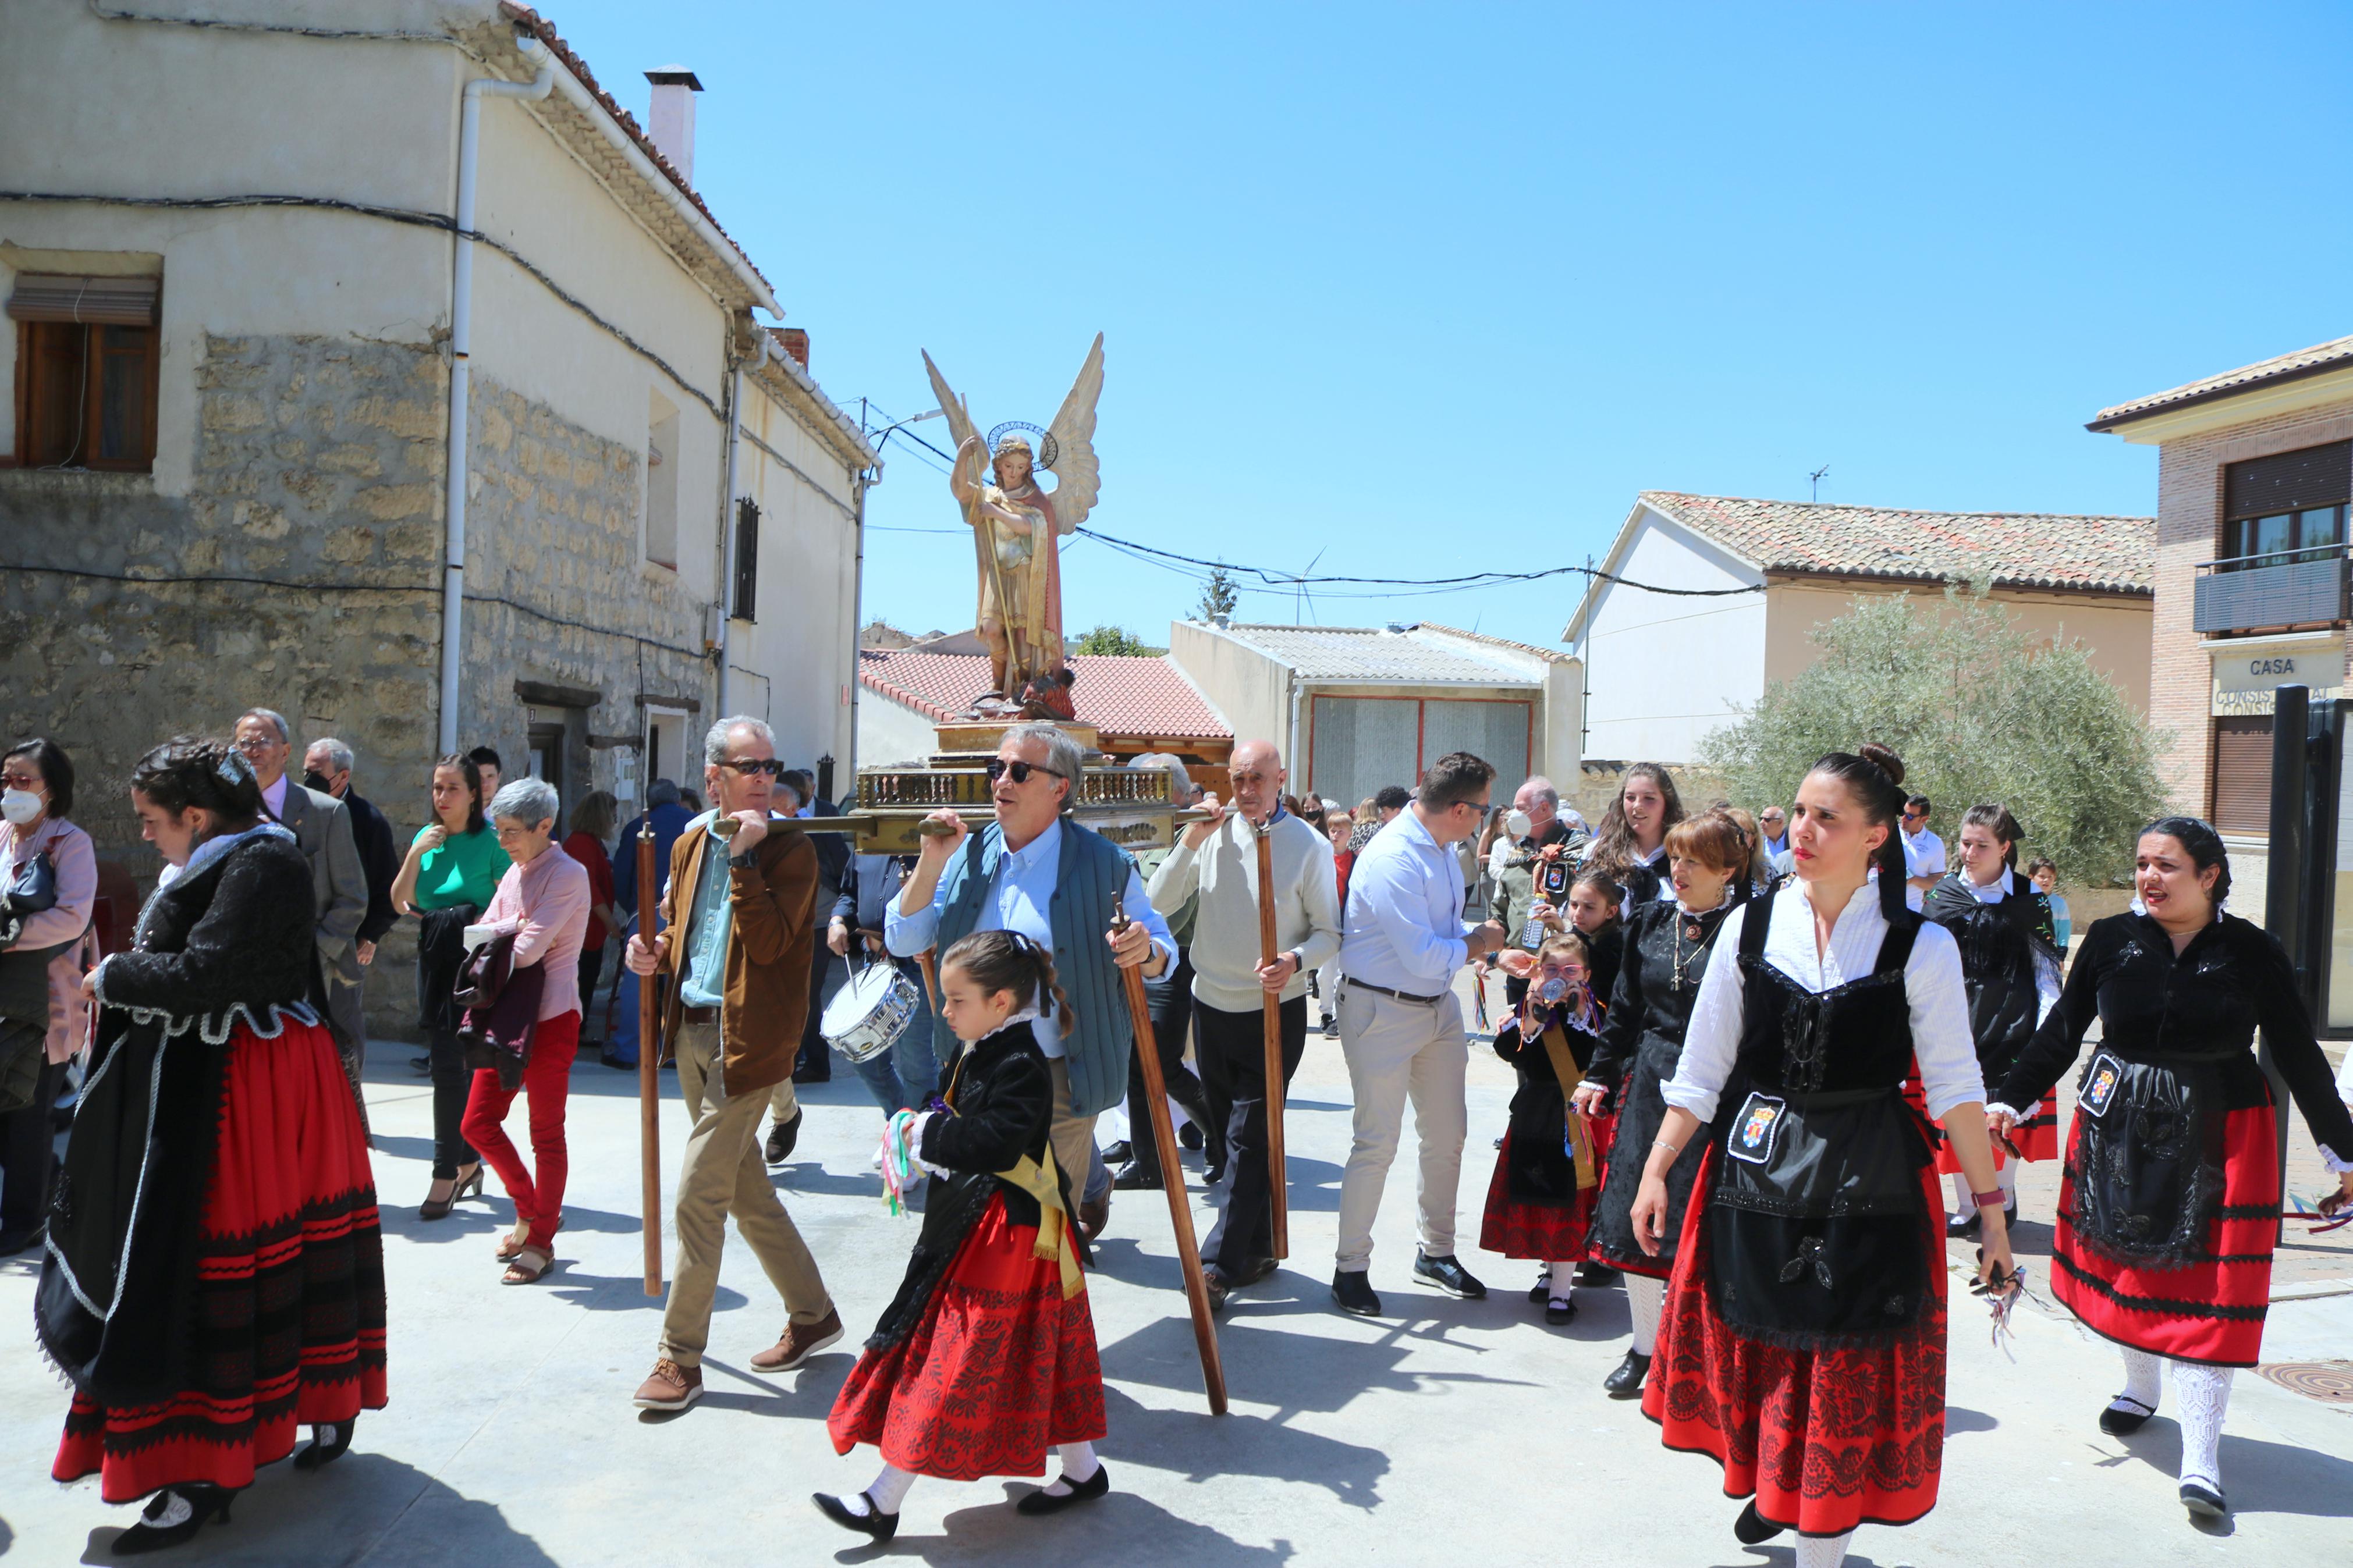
[1399, 1051]
[1073, 1139]
[723, 1174]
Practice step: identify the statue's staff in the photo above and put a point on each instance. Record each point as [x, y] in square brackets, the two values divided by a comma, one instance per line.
[1172, 1175]
[1271, 1004]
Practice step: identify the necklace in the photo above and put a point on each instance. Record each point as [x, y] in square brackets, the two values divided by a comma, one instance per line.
[1690, 928]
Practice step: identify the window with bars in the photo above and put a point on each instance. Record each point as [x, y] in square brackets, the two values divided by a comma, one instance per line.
[86, 372]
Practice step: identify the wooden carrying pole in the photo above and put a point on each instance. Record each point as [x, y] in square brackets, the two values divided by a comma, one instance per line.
[650, 1066]
[1172, 1179]
[1270, 1003]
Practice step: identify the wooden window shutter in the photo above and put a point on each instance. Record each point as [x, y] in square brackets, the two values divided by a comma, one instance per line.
[110, 301]
[2243, 774]
[747, 559]
[2288, 481]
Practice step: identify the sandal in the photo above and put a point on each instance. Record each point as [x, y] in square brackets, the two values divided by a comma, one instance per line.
[462, 1186]
[528, 1267]
[512, 1245]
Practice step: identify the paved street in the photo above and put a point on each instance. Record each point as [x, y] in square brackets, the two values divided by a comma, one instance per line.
[1443, 1432]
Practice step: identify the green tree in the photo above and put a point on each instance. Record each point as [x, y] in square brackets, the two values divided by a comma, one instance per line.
[1110, 639]
[1979, 710]
[1219, 597]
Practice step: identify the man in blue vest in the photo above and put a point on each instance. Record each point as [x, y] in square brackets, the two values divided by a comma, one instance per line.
[1035, 871]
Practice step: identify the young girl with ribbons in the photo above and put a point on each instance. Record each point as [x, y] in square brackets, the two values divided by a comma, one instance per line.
[987, 1357]
[1541, 1199]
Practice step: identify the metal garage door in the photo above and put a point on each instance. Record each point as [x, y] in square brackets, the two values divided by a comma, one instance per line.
[1362, 743]
[1497, 732]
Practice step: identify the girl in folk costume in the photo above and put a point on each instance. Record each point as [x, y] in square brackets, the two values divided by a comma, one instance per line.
[1541, 1199]
[215, 1275]
[1667, 955]
[2009, 962]
[2171, 1197]
[1632, 841]
[1802, 1343]
[1593, 912]
[985, 1358]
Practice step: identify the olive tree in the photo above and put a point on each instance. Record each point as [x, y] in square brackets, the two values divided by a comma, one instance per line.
[1979, 710]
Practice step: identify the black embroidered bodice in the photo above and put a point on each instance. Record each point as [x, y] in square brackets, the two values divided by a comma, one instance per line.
[1658, 981]
[2000, 943]
[1852, 1036]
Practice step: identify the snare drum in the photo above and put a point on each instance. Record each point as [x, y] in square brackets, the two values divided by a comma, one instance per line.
[868, 1013]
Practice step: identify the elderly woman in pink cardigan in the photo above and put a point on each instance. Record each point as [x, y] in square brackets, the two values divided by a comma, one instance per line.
[36, 782]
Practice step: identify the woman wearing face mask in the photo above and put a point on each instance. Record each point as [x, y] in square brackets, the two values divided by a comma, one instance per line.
[1668, 946]
[1802, 1342]
[1540, 1202]
[38, 779]
[1633, 836]
[218, 1280]
[2010, 961]
[2172, 1198]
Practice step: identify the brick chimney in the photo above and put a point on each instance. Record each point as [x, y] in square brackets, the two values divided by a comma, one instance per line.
[669, 118]
[794, 341]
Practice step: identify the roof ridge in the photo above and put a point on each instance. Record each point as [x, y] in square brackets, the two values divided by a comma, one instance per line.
[1902, 511]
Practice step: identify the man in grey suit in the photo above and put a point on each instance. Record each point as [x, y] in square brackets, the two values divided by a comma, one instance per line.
[323, 828]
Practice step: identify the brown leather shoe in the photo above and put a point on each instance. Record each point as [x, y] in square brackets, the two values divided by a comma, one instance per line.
[801, 1341]
[1094, 1215]
[669, 1388]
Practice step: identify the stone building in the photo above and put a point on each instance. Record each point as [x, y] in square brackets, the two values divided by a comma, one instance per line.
[230, 380]
[1750, 580]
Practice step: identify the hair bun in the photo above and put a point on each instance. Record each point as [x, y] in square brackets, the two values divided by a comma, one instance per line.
[1888, 762]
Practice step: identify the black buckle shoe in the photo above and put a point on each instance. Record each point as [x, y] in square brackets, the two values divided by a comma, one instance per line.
[1563, 1310]
[1353, 1292]
[1136, 1179]
[2202, 1500]
[204, 1502]
[783, 1136]
[1043, 1501]
[1751, 1527]
[2118, 1423]
[873, 1521]
[1448, 1275]
[1626, 1381]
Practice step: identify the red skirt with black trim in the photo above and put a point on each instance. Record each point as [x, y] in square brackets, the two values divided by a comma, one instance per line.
[2210, 1310]
[997, 1370]
[1548, 1233]
[1826, 1439]
[289, 1285]
[2037, 1137]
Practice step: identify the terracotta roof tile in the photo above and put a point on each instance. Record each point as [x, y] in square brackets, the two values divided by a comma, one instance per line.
[1118, 695]
[2332, 355]
[2016, 550]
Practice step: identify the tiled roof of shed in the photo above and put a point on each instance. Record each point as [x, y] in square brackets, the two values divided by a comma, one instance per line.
[2321, 357]
[2016, 550]
[1373, 656]
[1117, 694]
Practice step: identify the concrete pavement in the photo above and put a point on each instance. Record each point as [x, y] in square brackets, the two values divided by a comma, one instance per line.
[1444, 1431]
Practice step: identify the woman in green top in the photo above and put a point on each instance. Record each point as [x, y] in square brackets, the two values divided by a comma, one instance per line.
[452, 870]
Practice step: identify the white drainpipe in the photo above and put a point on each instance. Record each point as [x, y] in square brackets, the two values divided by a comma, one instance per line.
[727, 606]
[461, 323]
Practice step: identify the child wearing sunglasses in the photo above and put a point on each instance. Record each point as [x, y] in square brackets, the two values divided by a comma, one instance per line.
[1540, 1200]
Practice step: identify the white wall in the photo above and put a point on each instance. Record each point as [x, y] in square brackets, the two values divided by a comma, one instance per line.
[1249, 688]
[890, 731]
[1664, 670]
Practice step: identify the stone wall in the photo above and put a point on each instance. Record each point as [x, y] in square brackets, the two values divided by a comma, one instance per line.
[302, 572]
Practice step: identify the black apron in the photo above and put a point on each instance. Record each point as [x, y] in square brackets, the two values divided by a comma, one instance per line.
[1817, 1225]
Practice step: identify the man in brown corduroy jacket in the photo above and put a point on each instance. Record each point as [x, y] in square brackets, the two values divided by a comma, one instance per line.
[740, 924]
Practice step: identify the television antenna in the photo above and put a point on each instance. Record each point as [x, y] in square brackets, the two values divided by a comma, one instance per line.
[1817, 477]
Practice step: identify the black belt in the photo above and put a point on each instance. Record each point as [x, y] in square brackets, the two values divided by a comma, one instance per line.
[1400, 995]
[697, 1014]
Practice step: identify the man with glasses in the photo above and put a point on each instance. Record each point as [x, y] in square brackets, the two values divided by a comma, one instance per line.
[1403, 939]
[322, 830]
[1924, 852]
[1034, 871]
[1774, 824]
[739, 914]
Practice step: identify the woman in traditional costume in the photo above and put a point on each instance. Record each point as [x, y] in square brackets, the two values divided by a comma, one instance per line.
[1802, 1343]
[215, 1277]
[2171, 1197]
[1540, 1200]
[1641, 1042]
[1632, 844]
[987, 1357]
[2009, 962]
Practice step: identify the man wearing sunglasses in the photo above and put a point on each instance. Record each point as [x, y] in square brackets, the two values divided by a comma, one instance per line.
[739, 922]
[1035, 871]
[1924, 852]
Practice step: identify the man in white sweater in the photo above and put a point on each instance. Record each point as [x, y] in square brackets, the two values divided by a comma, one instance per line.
[1219, 858]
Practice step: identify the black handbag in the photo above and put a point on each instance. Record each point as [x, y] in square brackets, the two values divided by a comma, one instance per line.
[33, 891]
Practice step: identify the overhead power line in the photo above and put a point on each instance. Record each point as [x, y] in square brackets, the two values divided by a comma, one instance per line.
[1275, 578]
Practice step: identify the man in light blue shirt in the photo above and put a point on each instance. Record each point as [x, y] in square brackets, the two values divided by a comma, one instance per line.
[1401, 1025]
[1035, 872]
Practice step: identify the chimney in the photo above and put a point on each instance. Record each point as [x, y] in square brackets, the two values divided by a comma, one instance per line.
[794, 341]
[669, 118]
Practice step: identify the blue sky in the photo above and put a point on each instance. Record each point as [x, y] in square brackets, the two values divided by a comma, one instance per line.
[1431, 288]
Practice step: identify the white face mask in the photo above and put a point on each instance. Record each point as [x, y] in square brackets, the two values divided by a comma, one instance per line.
[21, 806]
[1517, 824]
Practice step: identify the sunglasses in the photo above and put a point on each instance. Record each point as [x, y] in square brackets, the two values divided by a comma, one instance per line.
[747, 765]
[26, 782]
[998, 767]
[1912, 816]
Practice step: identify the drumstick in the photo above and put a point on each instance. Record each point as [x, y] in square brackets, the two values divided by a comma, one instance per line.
[1271, 1010]
[1172, 1174]
[649, 1069]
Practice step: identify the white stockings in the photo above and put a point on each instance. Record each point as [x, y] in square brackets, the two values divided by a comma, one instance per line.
[2143, 1382]
[2201, 1396]
[1644, 1298]
[1559, 1280]
[1078, 1467]
[889, 1491]
[1823, 1551]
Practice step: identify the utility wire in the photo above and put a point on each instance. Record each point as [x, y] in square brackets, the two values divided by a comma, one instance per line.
[1273, 578]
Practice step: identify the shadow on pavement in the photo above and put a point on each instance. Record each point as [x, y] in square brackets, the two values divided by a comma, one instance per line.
[363, 1505]
[619, 1292]
[1121, 1528]
[2257, 1477]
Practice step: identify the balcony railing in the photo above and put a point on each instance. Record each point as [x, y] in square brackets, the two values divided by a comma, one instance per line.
[2283, 588]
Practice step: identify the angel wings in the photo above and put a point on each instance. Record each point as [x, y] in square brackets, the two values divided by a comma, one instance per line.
[1072, 437]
